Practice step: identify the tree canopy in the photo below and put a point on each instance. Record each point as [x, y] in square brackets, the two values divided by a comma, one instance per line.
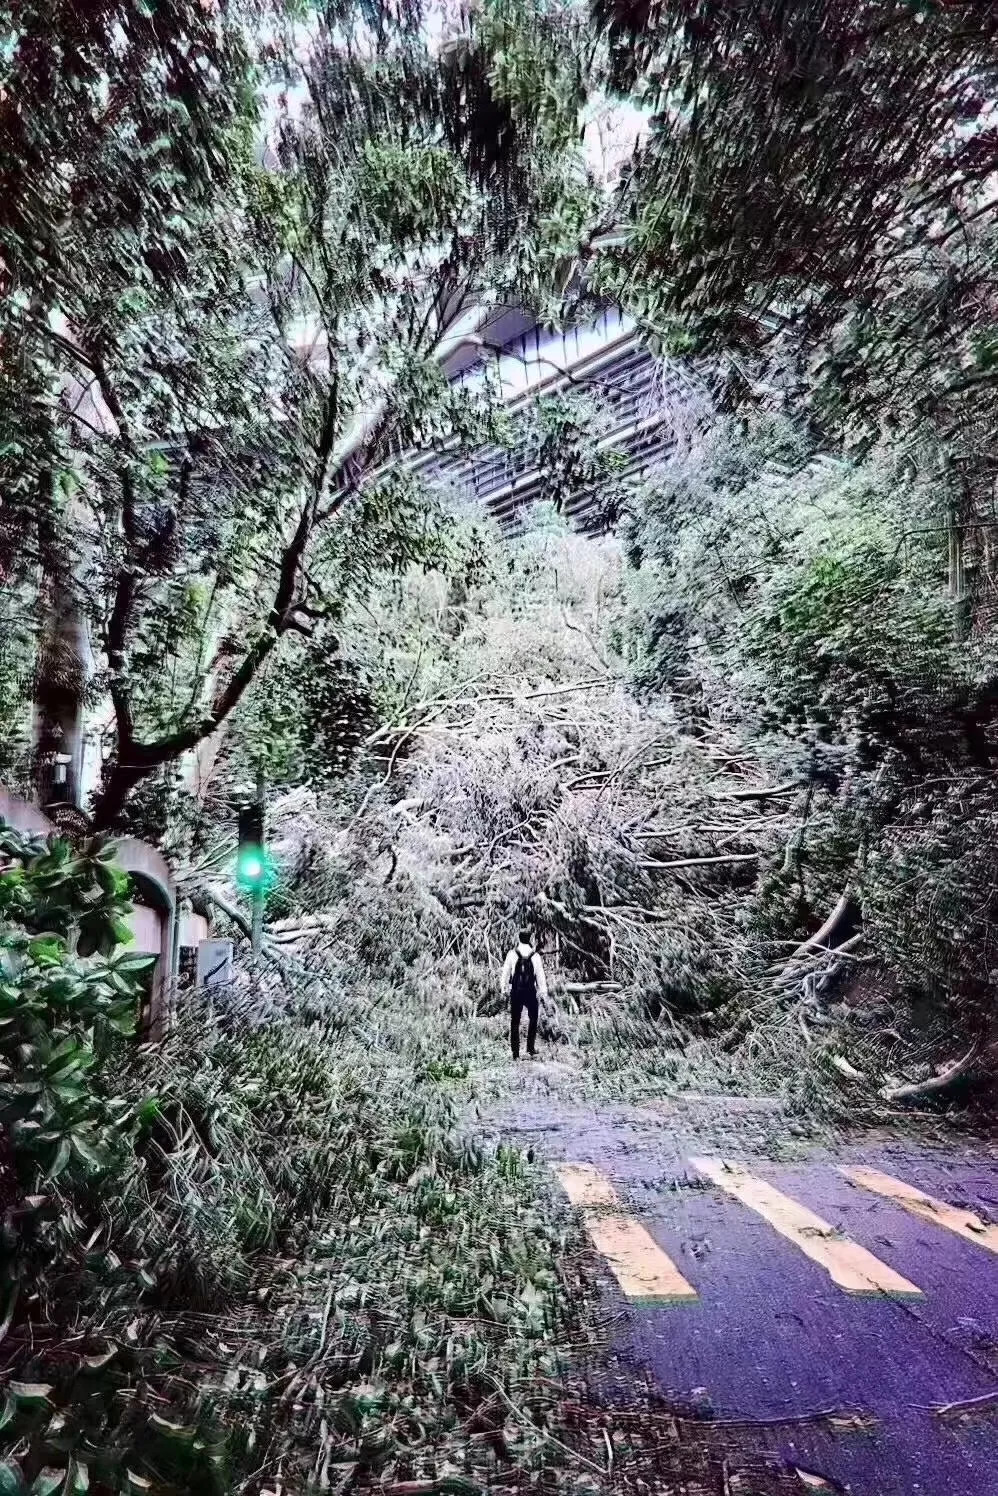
[237, 311]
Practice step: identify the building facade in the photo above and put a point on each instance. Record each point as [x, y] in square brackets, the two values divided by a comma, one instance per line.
[637, 395]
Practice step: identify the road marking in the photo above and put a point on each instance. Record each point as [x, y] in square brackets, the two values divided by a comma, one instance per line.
[962, 1222]
[646, 1274]
[848, 1264]
[585, 1186]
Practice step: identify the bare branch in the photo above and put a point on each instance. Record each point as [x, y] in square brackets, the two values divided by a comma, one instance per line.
[935, 1083]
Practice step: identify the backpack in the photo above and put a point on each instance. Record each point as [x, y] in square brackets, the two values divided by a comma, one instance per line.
[524, 980]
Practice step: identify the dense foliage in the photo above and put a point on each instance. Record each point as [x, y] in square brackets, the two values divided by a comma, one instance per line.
[810, 161]
[253, 1246]
[812, 215]
[733, 761]
[217, 354]
[678, 754]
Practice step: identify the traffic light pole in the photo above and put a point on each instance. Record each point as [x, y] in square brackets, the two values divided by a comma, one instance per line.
[258, 891]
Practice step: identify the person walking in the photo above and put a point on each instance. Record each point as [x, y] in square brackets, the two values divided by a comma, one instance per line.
[524, 984]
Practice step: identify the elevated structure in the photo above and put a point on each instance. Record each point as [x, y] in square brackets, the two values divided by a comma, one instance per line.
[637, 394]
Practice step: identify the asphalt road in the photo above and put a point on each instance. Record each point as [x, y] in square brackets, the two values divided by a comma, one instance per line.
[825, 1298]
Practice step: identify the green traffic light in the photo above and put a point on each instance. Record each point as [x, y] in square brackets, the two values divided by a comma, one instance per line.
[253, 870]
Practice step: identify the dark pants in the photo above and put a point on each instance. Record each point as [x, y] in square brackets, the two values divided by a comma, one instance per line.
[516, 1008]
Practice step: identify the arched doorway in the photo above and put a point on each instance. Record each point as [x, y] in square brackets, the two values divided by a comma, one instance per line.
[153, 923]
[154, 928]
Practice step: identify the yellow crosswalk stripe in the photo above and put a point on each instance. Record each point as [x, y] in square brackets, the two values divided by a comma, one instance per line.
[646, 1274]
[585, 1186]
[848, 1264]
[962, 1222]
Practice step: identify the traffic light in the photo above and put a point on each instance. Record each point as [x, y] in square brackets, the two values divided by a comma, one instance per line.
[253, 869]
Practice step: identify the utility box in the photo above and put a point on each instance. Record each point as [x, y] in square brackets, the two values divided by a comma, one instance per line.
[214, 968]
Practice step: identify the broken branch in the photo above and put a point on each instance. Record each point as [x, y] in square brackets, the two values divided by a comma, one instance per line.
[935, 1083]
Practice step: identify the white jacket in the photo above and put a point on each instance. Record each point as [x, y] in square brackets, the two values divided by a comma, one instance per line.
[510, 966]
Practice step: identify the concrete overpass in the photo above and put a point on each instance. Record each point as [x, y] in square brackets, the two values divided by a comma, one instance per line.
[638, 394]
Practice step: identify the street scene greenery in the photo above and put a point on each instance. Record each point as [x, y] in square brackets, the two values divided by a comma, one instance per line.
[728, 752]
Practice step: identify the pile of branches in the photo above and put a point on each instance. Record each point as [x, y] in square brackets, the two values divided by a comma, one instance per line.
[569, 808]
[715, 905]
[536, 788]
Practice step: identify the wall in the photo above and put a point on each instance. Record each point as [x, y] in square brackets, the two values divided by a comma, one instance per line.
[24, 817]
[147, 929]
[154, 885]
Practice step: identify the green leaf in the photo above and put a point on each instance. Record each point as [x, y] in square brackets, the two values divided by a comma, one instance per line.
[78, 1479]
[122, 1022]
[11, 1483]
[7, 1412]
[70, 1045]
[123, 935]
[61, 1159]
[68, 1092]
[91, 1156]
[47, 1481]
[31, 1394]
[47, 950]
[134, 961]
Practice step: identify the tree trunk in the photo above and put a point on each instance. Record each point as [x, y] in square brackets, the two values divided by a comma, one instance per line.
[119, 782]
[61, 671]
[957, 580]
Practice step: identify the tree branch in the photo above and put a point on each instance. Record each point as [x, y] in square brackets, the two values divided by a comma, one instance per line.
[729, 857]
[822, 936]
[332, 460]
[935, 1083]
[762, 794]
[239, 920]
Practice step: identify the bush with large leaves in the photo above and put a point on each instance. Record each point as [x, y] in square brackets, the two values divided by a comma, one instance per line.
[70, 992]
[107, 1217]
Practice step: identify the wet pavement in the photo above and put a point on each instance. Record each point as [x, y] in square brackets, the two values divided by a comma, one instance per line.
[770, 1339]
